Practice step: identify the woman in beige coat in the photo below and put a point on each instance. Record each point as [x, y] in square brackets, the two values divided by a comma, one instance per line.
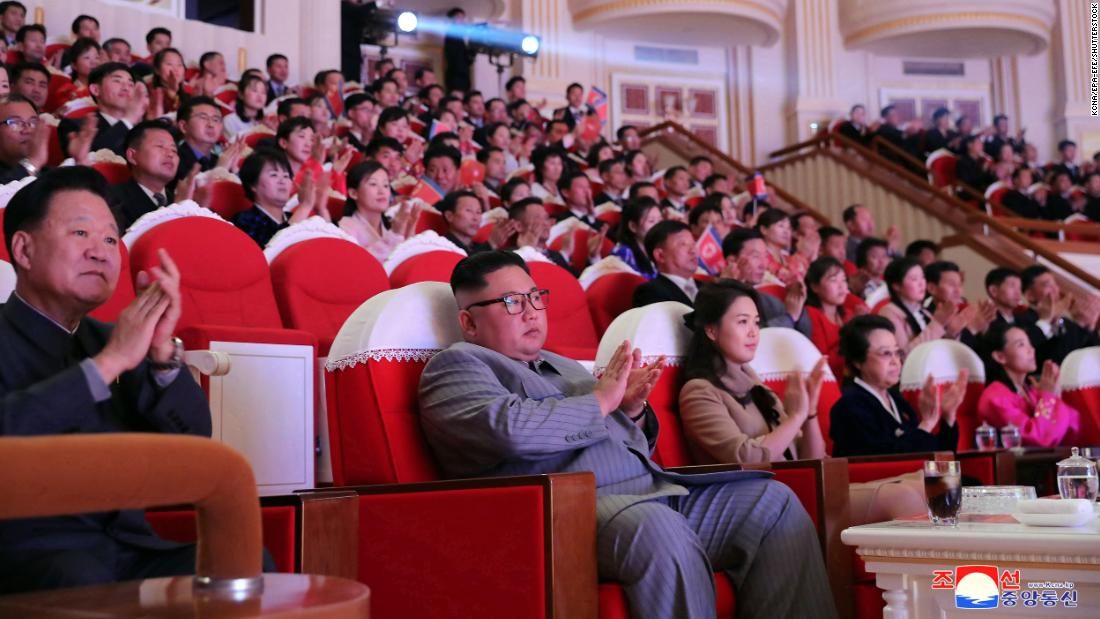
[729, 416]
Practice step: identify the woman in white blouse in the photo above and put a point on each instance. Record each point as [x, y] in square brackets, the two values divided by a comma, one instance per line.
[251, 97]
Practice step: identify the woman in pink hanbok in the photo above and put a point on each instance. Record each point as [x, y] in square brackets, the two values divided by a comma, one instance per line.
[1012, 396]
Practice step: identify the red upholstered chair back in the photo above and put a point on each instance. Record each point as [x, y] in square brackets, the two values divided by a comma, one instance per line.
[784, 352]
[374, 369]
[227, 198]
[114, 172]
[433, 266]
[124, 291]
[56, 155]
[609, 296]
[431, 220]
[943, 360]
[1080, 383]
[941, 168]
[224, 276]
[993, 196]
[319, 282]
[571, 332]
[656, 329]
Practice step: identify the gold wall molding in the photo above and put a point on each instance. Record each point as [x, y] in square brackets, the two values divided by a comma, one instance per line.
[979, 18]
[603, 8]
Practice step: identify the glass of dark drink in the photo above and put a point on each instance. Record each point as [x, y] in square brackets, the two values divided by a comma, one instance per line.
[943, 489]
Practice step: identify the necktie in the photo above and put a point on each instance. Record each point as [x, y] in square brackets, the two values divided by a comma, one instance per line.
[535, 366]
[690, 290]
[160, 199]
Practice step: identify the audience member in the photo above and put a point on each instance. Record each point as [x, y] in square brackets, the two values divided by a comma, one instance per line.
[265, 178]
[871, 417]
[78, 375]
[248, 111]
[730, 416]
[747, 261]
[151, 154]
[13, 16]
[462, 211]
[32, 81]
[923, 251]
[532, 224]
[677, 182]
[31, 43]
[672, 248]
[120, 108]
[827, 309]
[783, 267]
[478, 393]
[871, 261]
[364, 213]
[1013, 395]
[24, 145]
[638, 217]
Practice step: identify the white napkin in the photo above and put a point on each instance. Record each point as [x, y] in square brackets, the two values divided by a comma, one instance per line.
[1054, 506]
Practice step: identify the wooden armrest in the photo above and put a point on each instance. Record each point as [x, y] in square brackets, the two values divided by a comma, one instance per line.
[567, 505]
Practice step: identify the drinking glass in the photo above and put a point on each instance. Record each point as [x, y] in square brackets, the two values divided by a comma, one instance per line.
[1010, 436]
[943, 489]
[985, 437]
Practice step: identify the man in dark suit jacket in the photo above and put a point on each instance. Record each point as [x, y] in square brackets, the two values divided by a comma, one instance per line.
[672, 247]
[1018, 200]
[1067, 150]
[151, 152]
[62, 372]
[576, 109]
[112, 87]
[498, 404]
[1057, 329]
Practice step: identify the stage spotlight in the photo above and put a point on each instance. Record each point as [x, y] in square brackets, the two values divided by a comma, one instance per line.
[530, 45]
[407, 21]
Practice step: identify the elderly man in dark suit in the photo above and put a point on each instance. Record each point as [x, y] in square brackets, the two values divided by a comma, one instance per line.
[62, 372]
[672, 247]
[498, 404]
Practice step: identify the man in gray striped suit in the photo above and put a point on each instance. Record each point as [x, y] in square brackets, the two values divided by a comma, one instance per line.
[497, 404]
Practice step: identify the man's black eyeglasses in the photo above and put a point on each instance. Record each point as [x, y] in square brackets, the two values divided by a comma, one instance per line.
[514, 303]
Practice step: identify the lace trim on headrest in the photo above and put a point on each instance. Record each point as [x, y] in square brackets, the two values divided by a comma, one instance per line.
[314, 227]
[606, 266]
[1088, 384]
[105, 155]
[530, 254]
[670, 361]
[219, 173]
[382, 354]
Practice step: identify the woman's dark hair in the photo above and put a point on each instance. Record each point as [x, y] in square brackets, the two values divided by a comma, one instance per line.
[509, 188]
[704, 359]
[816, 272]
[593, 159]
[356, 175]
[243, 85]
[389, 115]
[633, 213]
[754, 206]
[629, 158]
[769, 218]
[82, 45]
[541, 154]
[855, 339]
[894, 275]
[158, 60]
[994, 340]
[290, 125]
[254, 164]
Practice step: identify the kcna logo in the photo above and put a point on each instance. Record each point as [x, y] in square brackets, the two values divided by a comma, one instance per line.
[976, 586]
[985, 586]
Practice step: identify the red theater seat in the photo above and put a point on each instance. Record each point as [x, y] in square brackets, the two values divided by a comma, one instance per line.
[941, 168]
[570, 329]
[433, 548]
[124, 291]
[1080, 384]
[943, 360]
[227, 198]
[229, 309]
[279, 528]
[320, 281]
[610, 295]
[433, 266]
